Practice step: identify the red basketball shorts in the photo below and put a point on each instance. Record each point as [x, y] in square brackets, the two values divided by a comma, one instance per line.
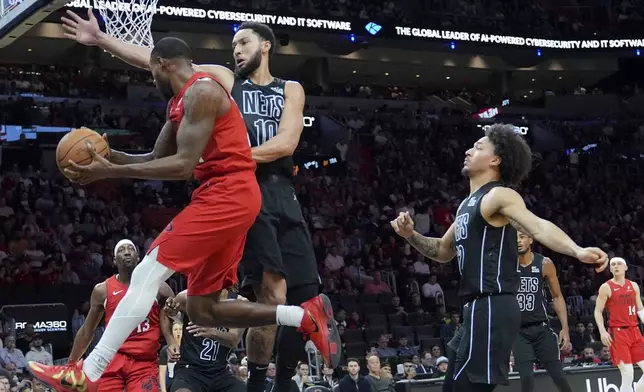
[205, 241]
[127, 374]
[627, 346]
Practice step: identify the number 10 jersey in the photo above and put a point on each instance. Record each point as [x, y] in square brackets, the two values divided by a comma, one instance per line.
[531, 296]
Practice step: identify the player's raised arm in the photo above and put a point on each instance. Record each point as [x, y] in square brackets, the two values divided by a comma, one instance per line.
[558, 301]
[290, 128]
[510, 204]
[442, 250]
[87, 331]
[602, 297]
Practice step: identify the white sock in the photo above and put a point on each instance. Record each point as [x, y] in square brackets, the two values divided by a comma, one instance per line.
[639, 386]
[130, 312]
[291, 316]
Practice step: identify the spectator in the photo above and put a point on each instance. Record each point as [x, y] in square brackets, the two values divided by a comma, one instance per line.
[301, 378]
[341, 317]
[377, 383]
[432, 289]
[333, 260]
[327, 377]
[242, 373]
[410, 371]
[347, 289]
[587, 358]
[68, 275]
[166, 368]
[604, 356]
[427, 363]
[404, 350]
[37, 353]
[12, 356]
[383, 349]
[385, 372]
[376, 285]
[394, 307]
[448, 330]
[577, 337]
[355, 322]
[270, 377]
[353, 381]
[441, 367]
[25, 338]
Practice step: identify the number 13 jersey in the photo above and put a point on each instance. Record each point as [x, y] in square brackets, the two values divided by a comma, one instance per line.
[143, 342]
[530, 296]
[621, 308]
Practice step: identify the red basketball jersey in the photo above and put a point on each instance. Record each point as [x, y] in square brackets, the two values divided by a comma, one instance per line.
[621, 308]
[228, 150]
[143, 342]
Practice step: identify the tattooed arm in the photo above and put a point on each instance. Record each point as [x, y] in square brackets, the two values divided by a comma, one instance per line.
[442, 250]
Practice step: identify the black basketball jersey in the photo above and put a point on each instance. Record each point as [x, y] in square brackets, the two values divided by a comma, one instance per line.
[204, 354]
[487, 255]
[262, 108]
[530, 297]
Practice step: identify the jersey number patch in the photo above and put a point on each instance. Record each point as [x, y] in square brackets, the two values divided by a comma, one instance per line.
[461, 234]
[526, 302]
[209, 350]
[144, 326]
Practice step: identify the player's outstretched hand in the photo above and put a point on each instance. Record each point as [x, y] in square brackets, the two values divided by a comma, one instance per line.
[174, 353]
[171, 307]
[83, 31]
[606, 339]
[403, 225]
[594, 256]
[97, 170]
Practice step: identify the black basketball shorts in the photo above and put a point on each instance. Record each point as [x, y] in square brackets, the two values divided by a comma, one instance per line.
[279, 240]
[536, 342]
[490, 325]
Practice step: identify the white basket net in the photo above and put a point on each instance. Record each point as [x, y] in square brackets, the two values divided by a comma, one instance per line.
[130, 21]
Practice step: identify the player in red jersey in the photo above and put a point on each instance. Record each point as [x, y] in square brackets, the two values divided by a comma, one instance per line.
[135, 365]
[621, 298]
[205, 135]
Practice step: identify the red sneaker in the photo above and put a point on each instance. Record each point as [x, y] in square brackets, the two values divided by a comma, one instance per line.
[63, 378]
[318, 324]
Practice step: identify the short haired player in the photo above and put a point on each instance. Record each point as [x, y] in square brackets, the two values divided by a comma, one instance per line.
[134, 366]
[621, 299]
[204, 137]
[279, 260]
[536, 338]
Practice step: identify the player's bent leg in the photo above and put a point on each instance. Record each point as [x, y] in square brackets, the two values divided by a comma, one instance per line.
[627, 372]
[526, 372]
[318, 325]
[463, 384]
[290, 342]
[260, 340]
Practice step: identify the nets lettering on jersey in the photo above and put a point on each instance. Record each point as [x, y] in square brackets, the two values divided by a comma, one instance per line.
[130, 21]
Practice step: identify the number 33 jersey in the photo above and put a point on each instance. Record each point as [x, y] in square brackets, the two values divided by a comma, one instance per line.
[143, 342]
[203, 354]
[621, 308]
[530, 296]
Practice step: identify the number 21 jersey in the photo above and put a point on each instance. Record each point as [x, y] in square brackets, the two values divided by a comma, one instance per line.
[621, 308]
[203, 354]
[143, 342]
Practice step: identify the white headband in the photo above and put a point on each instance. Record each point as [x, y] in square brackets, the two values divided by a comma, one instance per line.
[121, 243]
[618, 260]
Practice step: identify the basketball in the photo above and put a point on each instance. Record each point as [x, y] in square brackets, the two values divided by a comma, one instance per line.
[73, 147]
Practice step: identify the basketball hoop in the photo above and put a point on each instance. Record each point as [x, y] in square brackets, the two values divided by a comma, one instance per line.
[130, 21]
